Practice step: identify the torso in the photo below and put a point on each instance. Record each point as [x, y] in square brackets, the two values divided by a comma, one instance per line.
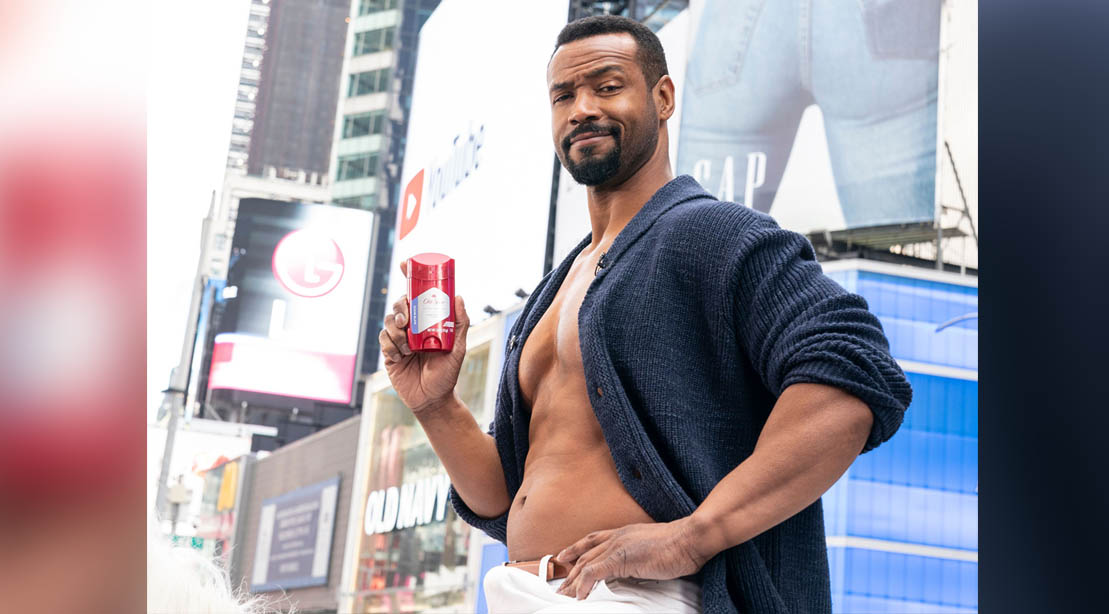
[570, 486]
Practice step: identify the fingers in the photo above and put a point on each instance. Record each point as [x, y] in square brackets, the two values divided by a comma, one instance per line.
[389, 348]
[590, 554]
[400, 310]
[580, 547]
[404, 267]
[579, 582]
[599, 567]
[393, 337]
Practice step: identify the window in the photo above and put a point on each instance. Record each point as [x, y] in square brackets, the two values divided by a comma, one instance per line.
[357, 166]
[369, 82]
[372, 41]
[363, 124]
[365, 7]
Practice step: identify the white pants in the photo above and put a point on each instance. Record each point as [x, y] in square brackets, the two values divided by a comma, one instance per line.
[514, 591]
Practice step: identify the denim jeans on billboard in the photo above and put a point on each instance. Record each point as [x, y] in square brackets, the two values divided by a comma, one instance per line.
[870, 65]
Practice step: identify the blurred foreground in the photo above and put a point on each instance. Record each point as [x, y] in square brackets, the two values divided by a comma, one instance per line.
[72, 309]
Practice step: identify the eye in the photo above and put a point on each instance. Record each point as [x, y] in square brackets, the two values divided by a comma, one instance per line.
[608, 89]
[560, 98]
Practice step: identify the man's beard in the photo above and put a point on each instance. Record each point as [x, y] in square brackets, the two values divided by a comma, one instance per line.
[593, 171]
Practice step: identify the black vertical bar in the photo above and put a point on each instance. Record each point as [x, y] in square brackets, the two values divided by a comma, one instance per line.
[572, 13]
[548, 258]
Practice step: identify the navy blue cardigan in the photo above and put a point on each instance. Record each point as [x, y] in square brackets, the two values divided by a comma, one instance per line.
[703, 313]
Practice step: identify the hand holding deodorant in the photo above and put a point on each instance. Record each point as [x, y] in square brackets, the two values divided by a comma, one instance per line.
[431, 303]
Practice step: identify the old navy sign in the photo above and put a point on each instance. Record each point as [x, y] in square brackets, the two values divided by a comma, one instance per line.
[410, 505]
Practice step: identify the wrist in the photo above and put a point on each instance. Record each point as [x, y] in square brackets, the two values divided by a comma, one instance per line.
[437, 407]
[706, 535]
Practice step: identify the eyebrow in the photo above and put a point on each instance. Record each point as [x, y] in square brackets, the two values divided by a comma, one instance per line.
[593, 74]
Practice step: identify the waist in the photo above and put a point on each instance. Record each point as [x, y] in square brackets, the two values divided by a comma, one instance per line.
[556, 506]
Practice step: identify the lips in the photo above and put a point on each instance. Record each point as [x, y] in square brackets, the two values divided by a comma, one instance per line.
[588, 135]
[589, 138]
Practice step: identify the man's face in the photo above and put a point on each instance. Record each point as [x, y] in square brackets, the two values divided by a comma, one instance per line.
[603, 117]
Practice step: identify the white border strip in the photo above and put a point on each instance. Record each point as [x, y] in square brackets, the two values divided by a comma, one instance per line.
[900, 270]
[866, 543]
[940, 370]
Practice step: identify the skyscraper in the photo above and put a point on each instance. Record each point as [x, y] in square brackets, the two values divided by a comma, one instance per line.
[370, 129]
[288, 88]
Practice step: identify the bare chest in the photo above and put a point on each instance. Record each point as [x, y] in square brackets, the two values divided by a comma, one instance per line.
[551, 357]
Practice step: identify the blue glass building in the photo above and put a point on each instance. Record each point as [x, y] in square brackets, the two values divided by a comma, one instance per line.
[902, 523]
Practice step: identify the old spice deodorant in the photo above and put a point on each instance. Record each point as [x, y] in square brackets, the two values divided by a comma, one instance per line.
[431, 302]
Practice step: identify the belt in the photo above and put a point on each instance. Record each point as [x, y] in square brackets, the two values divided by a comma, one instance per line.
[546, 568]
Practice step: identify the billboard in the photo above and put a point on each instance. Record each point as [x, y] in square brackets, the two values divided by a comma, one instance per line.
[821, 114]
[294, 538]
[825, 127]
[479, 159]
[293, 301]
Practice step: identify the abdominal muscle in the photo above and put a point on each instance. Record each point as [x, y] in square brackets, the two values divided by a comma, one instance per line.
[570, 486]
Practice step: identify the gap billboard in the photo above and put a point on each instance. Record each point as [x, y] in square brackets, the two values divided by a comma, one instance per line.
[821, 113]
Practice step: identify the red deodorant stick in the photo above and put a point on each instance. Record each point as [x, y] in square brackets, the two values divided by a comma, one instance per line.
[431, 302]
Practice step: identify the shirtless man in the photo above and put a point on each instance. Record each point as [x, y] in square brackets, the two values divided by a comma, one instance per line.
[610, 100]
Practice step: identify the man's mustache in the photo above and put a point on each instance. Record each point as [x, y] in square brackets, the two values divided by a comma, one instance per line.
[613, 131]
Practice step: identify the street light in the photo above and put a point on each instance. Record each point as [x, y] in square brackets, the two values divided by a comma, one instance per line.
[966, 316]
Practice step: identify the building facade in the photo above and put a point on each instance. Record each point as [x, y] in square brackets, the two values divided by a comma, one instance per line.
[369, 135]
[288, 88]
[902, 523]
[289, 549]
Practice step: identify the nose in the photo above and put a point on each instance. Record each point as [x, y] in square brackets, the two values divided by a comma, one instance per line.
[584, 109]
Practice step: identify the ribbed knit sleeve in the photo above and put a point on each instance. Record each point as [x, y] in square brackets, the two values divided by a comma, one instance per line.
[798, 325]
[497, 528]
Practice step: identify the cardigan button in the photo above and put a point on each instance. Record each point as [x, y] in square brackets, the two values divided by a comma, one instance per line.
[600, 392]
[636, 474]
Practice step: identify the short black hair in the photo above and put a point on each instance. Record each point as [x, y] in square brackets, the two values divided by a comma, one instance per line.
[652, 59]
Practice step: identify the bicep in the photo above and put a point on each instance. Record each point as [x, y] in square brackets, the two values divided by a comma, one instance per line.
[819, 414]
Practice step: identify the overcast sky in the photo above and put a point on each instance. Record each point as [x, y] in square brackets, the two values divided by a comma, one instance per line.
[194, 55]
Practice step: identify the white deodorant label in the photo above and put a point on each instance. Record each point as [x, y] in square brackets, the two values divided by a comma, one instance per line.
[430, 308]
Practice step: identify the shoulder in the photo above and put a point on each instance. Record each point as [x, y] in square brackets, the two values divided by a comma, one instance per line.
[705, 223]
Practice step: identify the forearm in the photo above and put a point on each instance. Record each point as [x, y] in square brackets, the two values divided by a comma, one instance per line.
[812, 436]
[468, 454]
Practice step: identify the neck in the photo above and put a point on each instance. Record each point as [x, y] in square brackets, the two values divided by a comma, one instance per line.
[611, 207]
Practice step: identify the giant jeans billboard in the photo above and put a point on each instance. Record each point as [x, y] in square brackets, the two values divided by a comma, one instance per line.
[821, 113]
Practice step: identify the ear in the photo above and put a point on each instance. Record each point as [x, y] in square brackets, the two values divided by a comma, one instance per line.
[664, 97]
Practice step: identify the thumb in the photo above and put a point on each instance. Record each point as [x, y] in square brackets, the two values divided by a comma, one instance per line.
[461, 322]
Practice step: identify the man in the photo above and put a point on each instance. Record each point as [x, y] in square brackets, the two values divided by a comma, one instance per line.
[676, 395]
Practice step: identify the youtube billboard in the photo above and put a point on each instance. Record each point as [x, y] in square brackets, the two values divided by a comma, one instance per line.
[476, 183]
[294, 297]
